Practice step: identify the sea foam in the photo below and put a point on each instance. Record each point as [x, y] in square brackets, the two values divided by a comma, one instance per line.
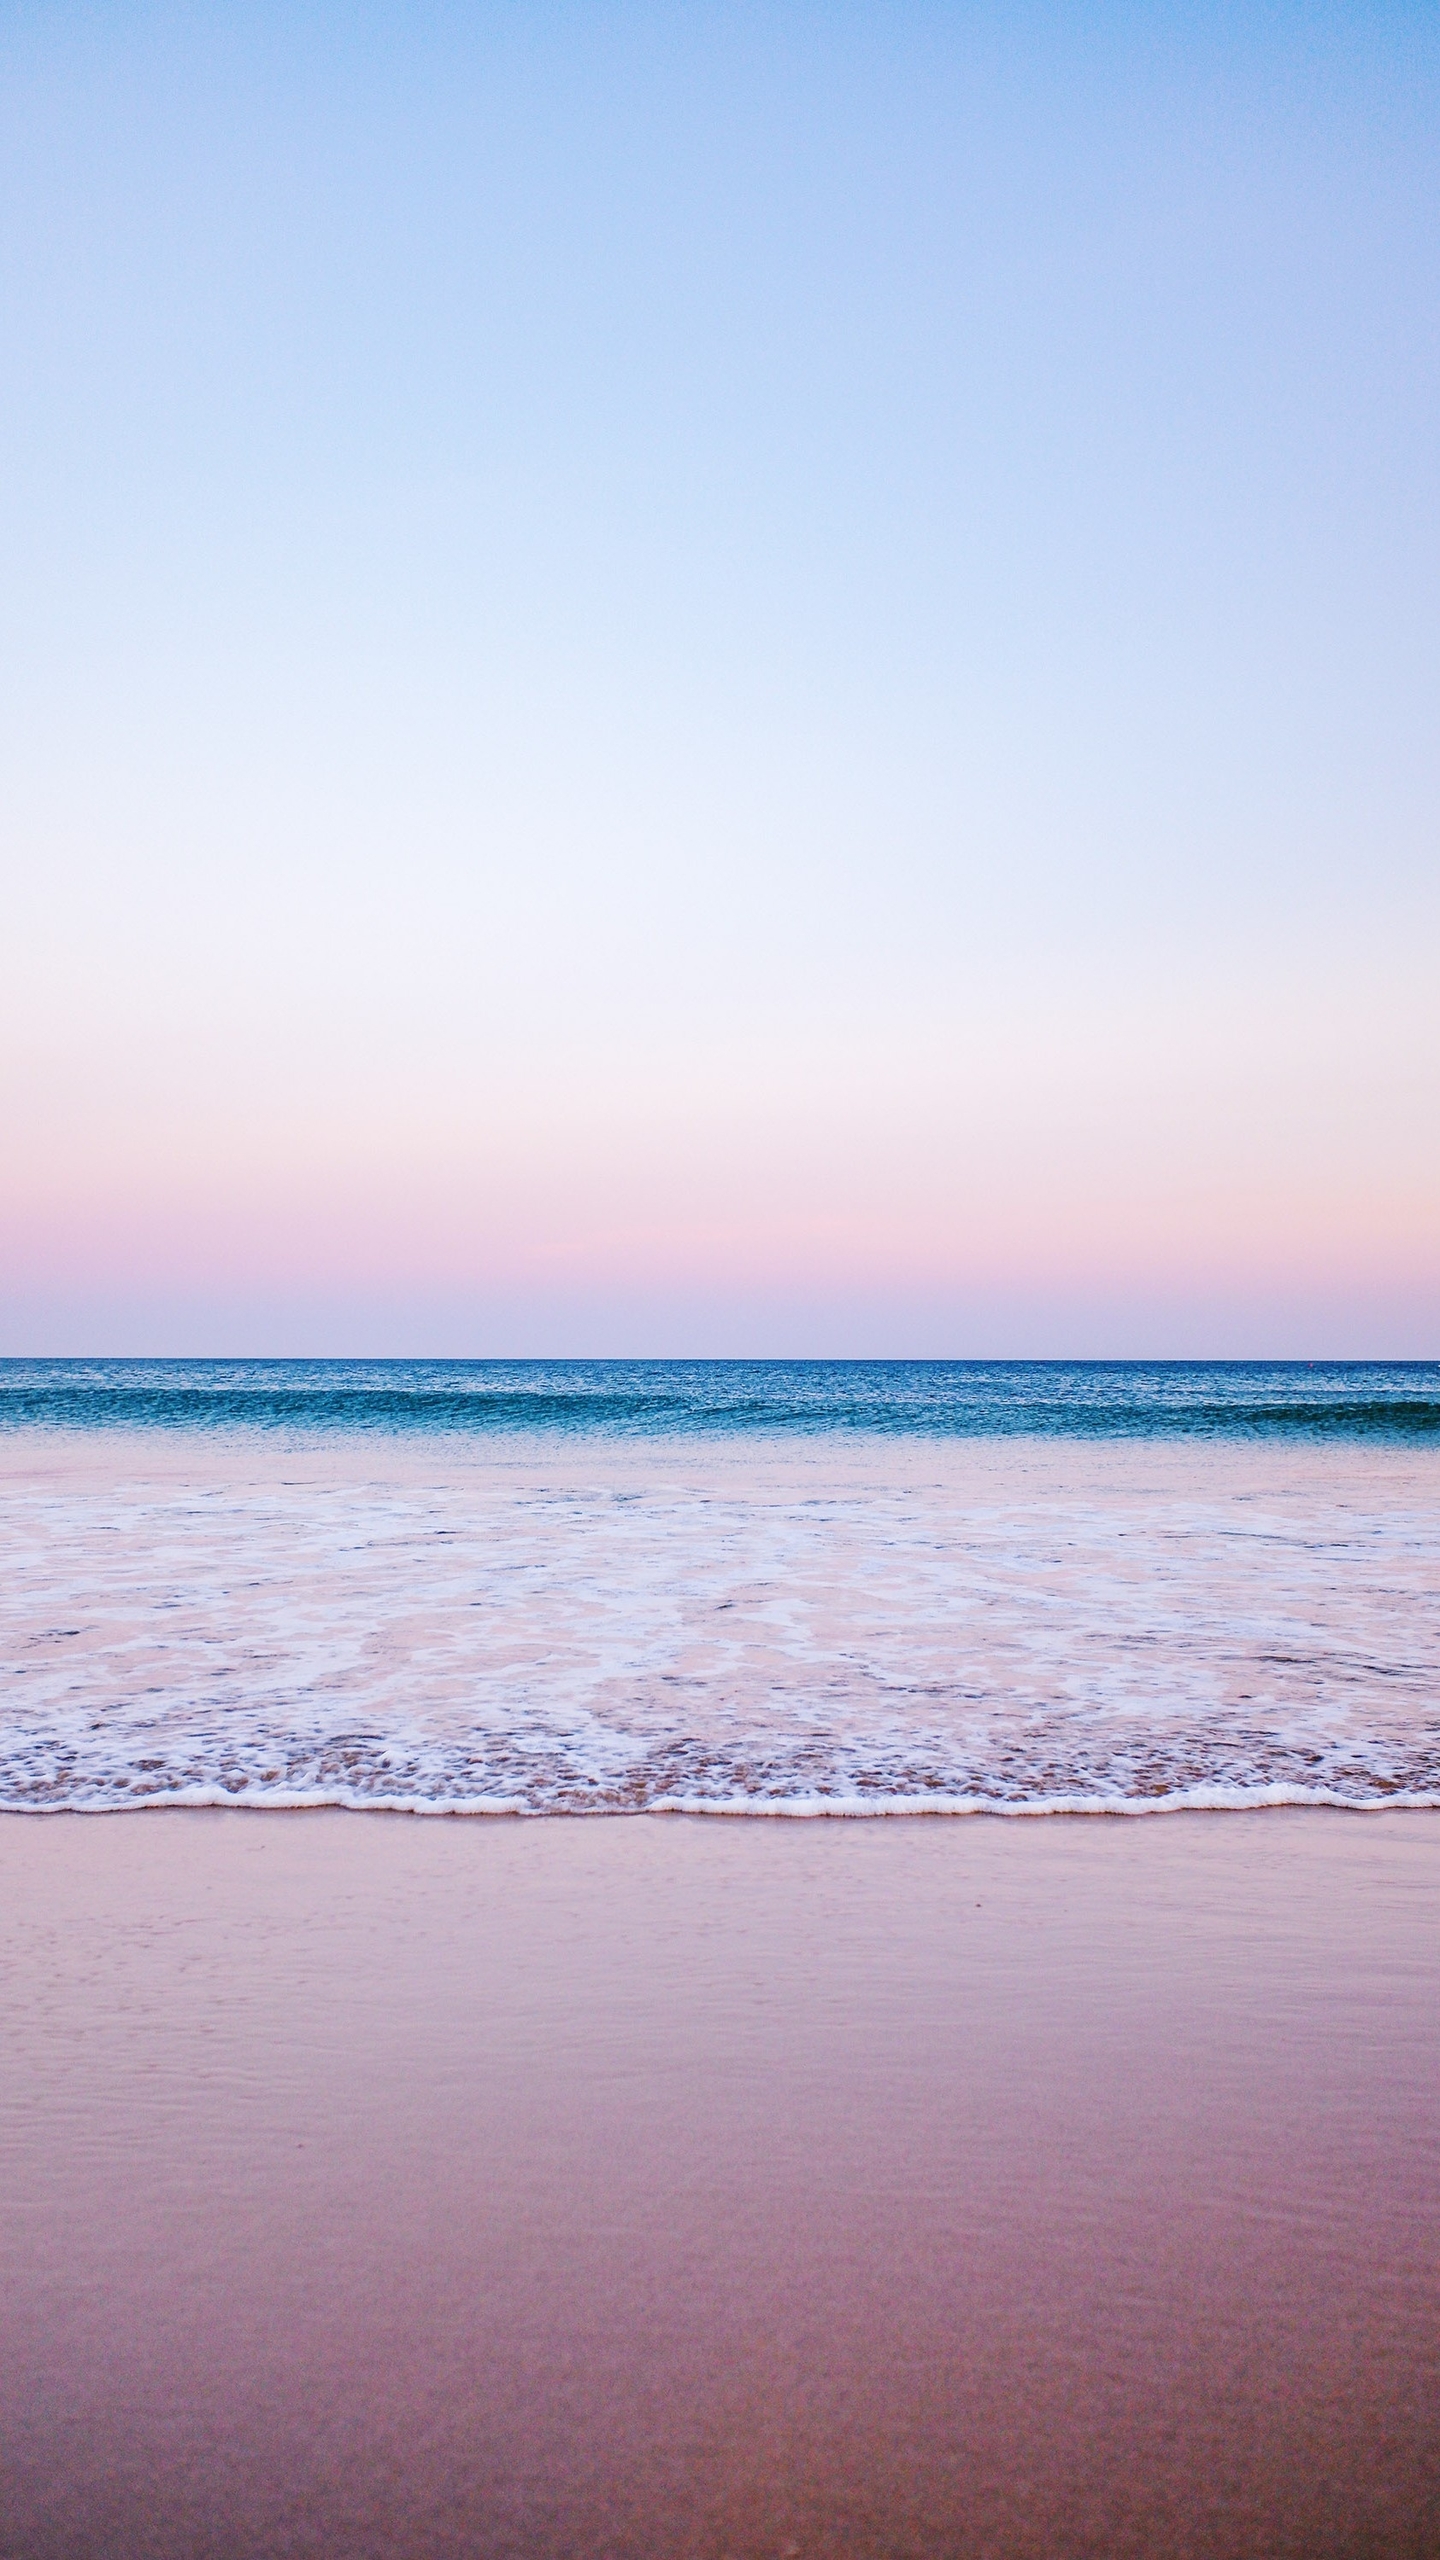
[796, 1623]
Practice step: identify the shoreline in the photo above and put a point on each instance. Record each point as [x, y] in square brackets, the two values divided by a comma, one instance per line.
[1202, 1802]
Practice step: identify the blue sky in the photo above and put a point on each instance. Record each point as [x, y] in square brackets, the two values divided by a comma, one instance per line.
[728, 679]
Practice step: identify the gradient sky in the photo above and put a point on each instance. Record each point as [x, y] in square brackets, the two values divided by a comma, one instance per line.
[720, 679]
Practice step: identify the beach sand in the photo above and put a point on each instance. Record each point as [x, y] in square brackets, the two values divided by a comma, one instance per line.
[384, 2186]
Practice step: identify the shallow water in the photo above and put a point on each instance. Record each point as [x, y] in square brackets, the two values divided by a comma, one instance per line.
[702, 1615]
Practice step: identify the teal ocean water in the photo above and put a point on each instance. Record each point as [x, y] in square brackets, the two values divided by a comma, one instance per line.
[926, 1398]
[786, 1588]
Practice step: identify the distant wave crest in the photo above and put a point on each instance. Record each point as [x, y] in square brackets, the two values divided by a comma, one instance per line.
[651, 1399]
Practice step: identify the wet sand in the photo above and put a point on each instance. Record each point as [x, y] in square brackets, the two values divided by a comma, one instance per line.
[383, 2186]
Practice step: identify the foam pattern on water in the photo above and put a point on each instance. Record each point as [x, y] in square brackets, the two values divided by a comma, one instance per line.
[810, 1627]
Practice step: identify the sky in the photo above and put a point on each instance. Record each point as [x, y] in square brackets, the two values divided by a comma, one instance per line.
[720, 679]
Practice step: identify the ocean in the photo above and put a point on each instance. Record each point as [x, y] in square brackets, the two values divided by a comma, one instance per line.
[785, 1588]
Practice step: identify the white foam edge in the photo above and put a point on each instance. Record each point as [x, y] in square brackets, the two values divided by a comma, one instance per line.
[753, 1808]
